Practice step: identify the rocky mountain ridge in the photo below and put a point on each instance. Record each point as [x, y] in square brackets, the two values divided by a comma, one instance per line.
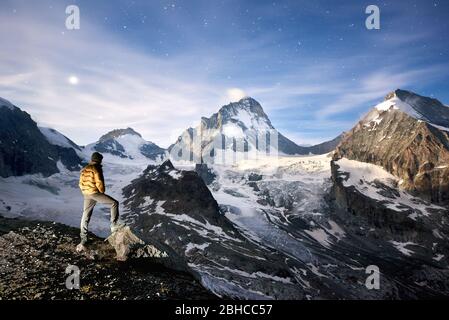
[408, 135]
[176, 209]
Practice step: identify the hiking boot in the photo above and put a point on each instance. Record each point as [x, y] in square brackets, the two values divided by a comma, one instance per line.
[116, 227]
[80, 248]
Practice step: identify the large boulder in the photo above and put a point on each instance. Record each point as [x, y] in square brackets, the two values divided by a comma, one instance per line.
[128, 245]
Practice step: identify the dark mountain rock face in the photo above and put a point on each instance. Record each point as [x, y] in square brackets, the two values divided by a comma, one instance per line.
[205, 173]
[408, 224]
[421, 238]
[152, 150]
[405, 143]
[287, 146]
[176, 208]
[192, 195]
[426, 109]
[325, 147]
[34, 257]
[25, 150]
[111, 146]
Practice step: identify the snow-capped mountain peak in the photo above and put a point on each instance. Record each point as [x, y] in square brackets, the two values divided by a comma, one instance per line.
[247, 113]
[121, 144]
[418, 107]
[408, 135]
[114, 134]
[233, 119]
[237, 128]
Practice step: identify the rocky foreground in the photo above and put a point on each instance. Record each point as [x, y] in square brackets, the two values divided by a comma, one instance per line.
[34, 257]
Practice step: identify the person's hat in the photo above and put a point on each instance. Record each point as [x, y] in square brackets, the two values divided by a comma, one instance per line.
[97, 157]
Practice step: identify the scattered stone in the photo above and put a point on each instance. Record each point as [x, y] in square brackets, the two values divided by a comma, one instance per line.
[34, 257]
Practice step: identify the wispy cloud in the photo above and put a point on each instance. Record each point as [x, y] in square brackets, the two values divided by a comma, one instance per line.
[312, 84]
[117, 87]
[370, 87]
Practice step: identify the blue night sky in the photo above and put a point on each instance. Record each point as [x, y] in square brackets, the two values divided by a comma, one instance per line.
[158, 66]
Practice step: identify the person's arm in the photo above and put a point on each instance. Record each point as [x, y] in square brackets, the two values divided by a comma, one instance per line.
[80, 183]
[99, 180]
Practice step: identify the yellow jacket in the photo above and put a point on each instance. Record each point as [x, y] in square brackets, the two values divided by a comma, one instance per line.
[91, 179]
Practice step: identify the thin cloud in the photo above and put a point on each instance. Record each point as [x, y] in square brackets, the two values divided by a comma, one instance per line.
[372, 87]
[121, 84]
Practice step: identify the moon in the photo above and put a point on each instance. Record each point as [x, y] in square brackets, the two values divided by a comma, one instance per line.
[73, 80]
[235, 94]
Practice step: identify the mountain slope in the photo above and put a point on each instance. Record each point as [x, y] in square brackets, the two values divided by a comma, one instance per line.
[408, 135]
[367, 193]
[56, 138]
[176, 208]
[286, 204]
[326, 146]
[24, 149]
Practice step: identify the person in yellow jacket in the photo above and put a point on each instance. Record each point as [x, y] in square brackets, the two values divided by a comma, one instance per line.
[93, 189]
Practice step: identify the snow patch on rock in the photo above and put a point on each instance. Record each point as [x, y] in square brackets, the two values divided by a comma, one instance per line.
[365, 177]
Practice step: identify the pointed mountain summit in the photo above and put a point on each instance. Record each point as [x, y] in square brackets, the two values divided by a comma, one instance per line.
[245, 114]
[422, 108]
[408, 135]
